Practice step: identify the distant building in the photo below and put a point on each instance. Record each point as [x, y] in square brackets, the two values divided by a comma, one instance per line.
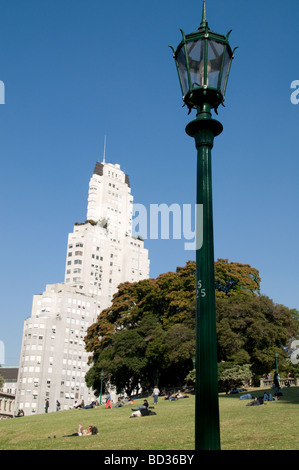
[10, 375]
[7, 391]
[7, 404]
[101, 254]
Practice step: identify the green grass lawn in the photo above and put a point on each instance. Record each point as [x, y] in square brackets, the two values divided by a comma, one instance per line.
[273, 426]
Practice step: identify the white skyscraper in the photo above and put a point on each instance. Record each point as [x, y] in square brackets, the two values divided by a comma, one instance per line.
[101, 254]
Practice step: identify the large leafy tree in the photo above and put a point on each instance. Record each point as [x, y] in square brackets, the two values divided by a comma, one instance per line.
[251, 329]
[149, 330]
[236, 279]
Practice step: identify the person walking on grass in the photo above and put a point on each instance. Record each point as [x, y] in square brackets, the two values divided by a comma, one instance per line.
[156, 393]
[108, 401]
[276, 383]
[46, 405]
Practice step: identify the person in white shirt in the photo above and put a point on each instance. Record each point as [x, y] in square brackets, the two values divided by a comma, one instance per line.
[156, 393]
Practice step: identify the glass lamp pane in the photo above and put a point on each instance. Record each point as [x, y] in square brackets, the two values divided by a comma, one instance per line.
[195, 50]
[182, 68]
[215, 57]
[226, 64]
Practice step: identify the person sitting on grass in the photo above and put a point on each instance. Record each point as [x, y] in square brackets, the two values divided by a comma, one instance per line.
[144, 406]
[256, 402]
[142, 412]
[119, 403]
[129, 401]
[91, 430]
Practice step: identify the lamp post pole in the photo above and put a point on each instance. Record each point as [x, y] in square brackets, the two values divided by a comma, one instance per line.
[203, 60]
[207, 429]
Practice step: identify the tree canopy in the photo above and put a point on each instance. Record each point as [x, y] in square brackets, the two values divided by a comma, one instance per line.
[148, 333]
[252, 329]
[235, 279]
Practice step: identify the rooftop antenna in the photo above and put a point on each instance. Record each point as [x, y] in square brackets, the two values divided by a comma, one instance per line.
[104, 156]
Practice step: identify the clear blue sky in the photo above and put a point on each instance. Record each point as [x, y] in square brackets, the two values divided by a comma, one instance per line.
[77, 70]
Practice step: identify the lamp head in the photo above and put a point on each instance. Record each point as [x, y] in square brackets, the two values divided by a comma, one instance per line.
[203, 60]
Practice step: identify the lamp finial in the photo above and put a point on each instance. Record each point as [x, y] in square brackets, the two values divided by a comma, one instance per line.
[204, 16]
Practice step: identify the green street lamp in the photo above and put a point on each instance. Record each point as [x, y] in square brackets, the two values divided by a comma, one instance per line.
[101, 391]
[203, 60]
